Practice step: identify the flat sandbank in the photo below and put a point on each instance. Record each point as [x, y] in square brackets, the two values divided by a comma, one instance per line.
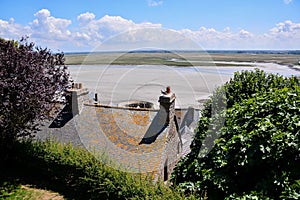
[119, 77]
[116, 84]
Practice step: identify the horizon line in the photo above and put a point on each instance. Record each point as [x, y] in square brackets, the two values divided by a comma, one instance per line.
[268, 51]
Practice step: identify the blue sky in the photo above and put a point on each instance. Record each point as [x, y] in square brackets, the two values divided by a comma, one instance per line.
[74, 25]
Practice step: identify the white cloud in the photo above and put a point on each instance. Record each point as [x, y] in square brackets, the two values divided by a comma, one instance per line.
[245, 34]
[286, 27]
[287, 1]
[88, 28]
[10, 30]
[284, 34]
[227, 30]
[86, 18]
[149, 38]
[153, 3]
[56, 33]
[209, 38]
[43, 14]
[94, 31]
[110, 25]
[48, 27]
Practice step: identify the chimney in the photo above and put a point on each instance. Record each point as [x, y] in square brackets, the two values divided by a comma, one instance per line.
[75, 98]
[167, 105]
[96, 98]
[72, 102]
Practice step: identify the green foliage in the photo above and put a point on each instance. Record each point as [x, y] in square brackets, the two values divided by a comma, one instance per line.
[76, 174]
[254, 148]
[246, 83]
[12, 191]
[7, 188]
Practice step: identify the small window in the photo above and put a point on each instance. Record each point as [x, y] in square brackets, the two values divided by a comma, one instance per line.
[166, 175]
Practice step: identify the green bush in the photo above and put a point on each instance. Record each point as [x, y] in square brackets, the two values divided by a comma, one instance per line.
[76, 174]
[242, 86]
[255, 144]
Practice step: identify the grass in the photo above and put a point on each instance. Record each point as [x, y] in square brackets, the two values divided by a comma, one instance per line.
[72, 173]
[126, 59]
[13, 191]
[177, 59]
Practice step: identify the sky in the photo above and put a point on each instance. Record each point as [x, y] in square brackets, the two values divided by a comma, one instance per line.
[84, 25]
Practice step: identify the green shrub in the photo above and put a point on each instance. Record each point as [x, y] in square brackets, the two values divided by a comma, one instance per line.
[242, 86]
[77, 174]
[255, 148]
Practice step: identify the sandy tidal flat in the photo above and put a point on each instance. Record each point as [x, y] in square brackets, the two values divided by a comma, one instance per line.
[115, 84]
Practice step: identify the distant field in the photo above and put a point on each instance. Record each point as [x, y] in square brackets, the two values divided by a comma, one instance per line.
[179, 58]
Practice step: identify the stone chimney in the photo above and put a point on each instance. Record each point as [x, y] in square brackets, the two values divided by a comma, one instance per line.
[75, 98]
[167, 105]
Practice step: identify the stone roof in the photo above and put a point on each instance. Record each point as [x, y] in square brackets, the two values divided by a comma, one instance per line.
[119, 134]
[135, 140]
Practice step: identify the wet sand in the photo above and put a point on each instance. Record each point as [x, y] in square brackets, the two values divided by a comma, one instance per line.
[127, 76]
[115, 84]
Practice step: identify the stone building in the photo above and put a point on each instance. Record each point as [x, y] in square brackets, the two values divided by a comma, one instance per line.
[132, 137]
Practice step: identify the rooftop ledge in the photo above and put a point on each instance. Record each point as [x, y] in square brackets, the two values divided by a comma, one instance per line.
[130, 108]
[120, 107]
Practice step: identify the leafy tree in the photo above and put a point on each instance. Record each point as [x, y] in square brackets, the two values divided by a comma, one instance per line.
[31, 79]
[256, 151]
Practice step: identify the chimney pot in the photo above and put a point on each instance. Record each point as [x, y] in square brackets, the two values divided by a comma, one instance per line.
[168, 90]
[167, 105]
[96, 97]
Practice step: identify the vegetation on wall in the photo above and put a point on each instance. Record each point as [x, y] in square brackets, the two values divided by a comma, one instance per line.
[255, 152]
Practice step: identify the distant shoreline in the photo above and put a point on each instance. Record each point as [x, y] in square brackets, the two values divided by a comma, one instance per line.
[184, 58]
[294, 52]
